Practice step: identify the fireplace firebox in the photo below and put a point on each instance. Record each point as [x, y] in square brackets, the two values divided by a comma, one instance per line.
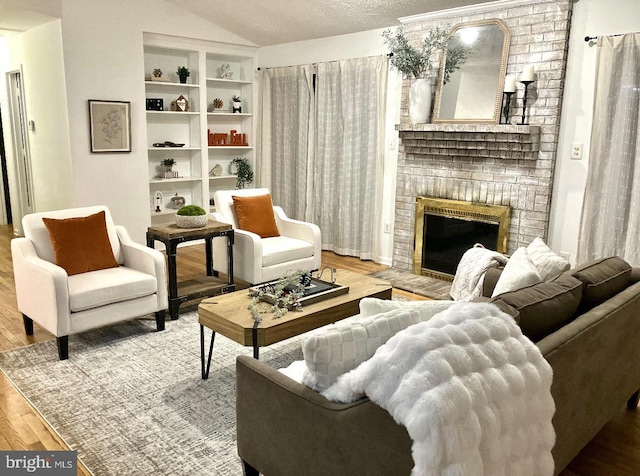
[445, 229]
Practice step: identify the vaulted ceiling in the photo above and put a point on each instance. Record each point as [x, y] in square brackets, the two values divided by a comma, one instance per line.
[268, 22]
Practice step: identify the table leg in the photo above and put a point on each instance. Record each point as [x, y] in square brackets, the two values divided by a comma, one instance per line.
[254, 335]
[209, 253]
[174, 303]
[230, 240]
[205, 368]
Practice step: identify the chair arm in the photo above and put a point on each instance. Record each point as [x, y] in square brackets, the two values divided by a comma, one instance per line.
[282, 425]
[146, 260]
[301, 230]
[42, 290]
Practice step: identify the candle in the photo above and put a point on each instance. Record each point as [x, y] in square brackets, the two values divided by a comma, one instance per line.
[527, 73]
[510, 84]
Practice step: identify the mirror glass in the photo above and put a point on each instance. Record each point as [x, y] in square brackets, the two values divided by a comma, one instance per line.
[472, 71]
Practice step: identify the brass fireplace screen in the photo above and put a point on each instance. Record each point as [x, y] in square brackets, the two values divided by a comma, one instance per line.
[445, 229]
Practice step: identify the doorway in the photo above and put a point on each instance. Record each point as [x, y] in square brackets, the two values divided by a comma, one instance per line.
[23, 196]
[3, 172]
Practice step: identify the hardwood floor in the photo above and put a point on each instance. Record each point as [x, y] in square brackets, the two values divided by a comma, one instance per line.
[614, 451]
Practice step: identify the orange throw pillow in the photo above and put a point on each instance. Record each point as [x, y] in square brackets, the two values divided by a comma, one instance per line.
[81, 244]
[255, 214]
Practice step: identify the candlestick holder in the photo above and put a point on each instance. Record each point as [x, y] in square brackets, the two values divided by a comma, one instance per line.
[506, 105]
[524, 100]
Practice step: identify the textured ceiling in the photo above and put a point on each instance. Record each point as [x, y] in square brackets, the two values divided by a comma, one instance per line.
[268, 22]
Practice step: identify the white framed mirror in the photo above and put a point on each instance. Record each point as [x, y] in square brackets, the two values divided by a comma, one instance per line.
[472, 71]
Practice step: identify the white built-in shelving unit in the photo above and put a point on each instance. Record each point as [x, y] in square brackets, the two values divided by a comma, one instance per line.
[196, 159]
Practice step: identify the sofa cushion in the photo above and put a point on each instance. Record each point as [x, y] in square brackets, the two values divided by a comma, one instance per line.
[338, 348]
[602, 279]
[282, 249]
[108, 286]
[548, 264]
[519, 272]
[545, 307]
[255, 214]
[81, 244]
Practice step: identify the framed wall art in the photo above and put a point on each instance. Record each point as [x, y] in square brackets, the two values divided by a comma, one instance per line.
[110, 126]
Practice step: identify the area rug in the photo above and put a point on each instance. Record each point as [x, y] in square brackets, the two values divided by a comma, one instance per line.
[131, 401]
[422, 285]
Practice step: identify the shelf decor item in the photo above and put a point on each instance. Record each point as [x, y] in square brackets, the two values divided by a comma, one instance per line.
[110, 126]
[177, 202]
[216, 171]
[191, 216]
[217, 104]
[224, 71]
[244, 171]
[220, 139]
[181, 104]
[155, 104]
[157, 75]
[237, 104]
[183, 74]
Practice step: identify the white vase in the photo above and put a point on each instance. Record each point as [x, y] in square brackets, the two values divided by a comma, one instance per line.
[420, 101]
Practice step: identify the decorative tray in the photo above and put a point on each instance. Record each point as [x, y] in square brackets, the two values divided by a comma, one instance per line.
[318, 290]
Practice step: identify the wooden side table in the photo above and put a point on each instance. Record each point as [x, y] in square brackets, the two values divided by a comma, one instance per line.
[172, 236]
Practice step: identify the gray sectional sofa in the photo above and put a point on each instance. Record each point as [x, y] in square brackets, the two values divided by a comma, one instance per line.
[586, 324]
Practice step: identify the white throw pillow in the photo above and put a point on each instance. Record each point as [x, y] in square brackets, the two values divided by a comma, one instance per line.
[338, 348]
[518, 273]
[427, 309]
[548, 264]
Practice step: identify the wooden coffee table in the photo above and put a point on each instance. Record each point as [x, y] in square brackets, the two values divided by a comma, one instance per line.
[228, 315]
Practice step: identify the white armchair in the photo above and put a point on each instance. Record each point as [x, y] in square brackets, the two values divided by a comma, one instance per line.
[65, 305]
[257, 260]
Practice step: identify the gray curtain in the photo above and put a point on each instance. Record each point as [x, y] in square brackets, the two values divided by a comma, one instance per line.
[610, 222]
[286, 116]
[348, 158]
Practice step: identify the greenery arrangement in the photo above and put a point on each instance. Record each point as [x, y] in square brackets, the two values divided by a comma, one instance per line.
[285, 294]
[417, 62]
[168, 162]
[414, 61]
[191, 211]
[183, 71]
[244, 171]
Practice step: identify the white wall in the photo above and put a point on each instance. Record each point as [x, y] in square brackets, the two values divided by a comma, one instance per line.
[39, 52]
[590, 18]
[103, 56]
[356, 45]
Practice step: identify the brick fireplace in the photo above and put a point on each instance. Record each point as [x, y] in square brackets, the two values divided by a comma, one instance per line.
[508, 165]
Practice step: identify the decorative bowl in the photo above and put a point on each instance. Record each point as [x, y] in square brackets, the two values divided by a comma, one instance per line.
[198, 221]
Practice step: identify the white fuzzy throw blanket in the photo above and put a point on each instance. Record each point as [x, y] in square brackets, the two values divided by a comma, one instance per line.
[467, 283]
[472, 391]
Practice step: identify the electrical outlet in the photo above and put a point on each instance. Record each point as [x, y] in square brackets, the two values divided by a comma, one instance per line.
[387, 228]
[576, 151]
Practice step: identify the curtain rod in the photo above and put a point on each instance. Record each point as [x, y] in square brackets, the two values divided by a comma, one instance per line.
[389, 55]
[589, 38]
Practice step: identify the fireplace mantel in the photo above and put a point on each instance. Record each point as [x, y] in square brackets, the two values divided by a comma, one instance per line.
[471, 140]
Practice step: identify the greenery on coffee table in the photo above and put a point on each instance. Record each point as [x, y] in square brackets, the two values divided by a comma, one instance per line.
[285, 293]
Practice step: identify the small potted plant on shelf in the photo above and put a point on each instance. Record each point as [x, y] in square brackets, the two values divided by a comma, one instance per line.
[242, 168]
[237, 103]
[183, 74]
[191, 216]
[168, 164]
